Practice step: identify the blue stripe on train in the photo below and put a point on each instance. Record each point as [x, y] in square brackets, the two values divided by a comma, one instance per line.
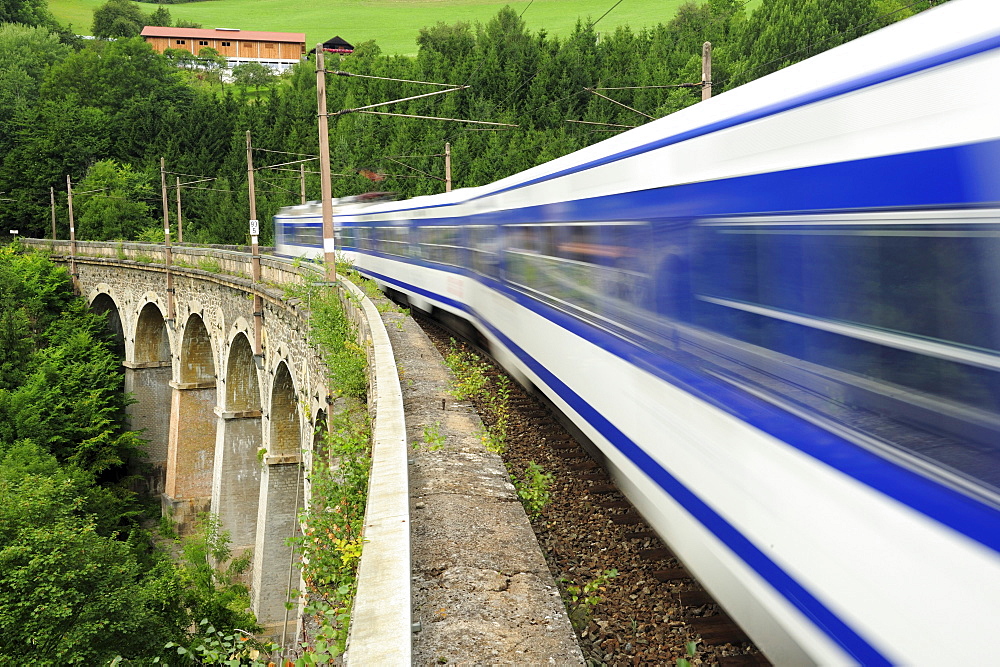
[942, 177]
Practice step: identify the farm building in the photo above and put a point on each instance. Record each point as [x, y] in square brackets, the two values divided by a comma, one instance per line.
[277, 50]
[337, 45]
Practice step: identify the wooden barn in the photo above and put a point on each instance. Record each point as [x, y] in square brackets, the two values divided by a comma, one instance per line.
[277, 50]
[337, 45]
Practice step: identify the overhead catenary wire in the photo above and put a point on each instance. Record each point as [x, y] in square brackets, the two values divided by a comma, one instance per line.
[457, 120]
[419, 171]
[386, 78]
[641, 113]
[268, 150]
[591, 122]
[294, 171]
[178, 173]
[284, 164]
[675, 85]
[405, 99]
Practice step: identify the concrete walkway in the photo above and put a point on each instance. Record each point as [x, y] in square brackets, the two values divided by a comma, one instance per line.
[482, 593]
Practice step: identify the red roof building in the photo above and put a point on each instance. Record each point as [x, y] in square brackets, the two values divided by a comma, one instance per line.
[277, 50]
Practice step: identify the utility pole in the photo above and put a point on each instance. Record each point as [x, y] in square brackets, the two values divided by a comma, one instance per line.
[258, 302]
[447, 167]
[166, 240]
[302, 184]
[52, 199]
[72, 230]
[706, 70]
[326, 187]
[180, 225]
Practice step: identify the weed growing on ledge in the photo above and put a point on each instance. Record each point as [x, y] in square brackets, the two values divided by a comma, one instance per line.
[209, 264]
[331, 544]
[433, 437]
[469, 371]
[491, 397]
[333, 335]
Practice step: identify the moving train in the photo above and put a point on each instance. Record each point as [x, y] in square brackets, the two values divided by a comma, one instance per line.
[777, 315]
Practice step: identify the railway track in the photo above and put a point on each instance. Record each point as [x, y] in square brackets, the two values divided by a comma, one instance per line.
[653, 612]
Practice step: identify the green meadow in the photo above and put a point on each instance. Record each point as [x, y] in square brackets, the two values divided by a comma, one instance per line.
[393, 24]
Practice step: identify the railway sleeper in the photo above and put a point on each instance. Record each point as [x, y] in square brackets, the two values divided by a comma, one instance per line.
[657, 553]
[717, 630]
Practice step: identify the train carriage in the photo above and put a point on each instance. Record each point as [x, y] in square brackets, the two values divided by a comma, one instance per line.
[776, 315]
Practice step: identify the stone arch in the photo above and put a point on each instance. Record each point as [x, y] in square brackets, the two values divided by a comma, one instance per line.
[286, 437]
[281, 498]
[191, 457]
[151, 342]
[148, 371]
[103, 303]
[197, 356]
[239, 442]
[242, 387]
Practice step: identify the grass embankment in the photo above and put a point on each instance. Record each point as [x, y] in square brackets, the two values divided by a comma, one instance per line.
[393, 24]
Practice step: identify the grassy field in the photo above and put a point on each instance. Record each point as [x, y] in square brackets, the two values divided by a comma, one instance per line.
[393, 24]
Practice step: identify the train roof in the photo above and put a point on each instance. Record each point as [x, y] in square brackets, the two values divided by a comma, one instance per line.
[878, 56]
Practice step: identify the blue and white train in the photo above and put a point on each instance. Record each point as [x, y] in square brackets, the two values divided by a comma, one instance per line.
[777, 314]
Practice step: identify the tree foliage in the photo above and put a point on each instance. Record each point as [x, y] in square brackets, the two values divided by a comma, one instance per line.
[65, 112]
[252, 75]
[26, 12]
[116, 207]
[118, 18]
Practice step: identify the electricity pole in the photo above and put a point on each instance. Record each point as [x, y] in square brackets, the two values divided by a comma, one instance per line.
[52, 199]
[258, 302]
[706, 70]
[302, 184]
[180, 225]
[72, 230]
[326, 187]
[447, 167]
[166, 240]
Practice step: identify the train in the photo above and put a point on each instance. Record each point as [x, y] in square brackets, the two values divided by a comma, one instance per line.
[776, 314]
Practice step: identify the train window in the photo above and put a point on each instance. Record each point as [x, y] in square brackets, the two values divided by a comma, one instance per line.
[394, 240]
[305, 234]
[363, 237]
[347, 239]
[440, 244]
[580, 243]
[904, 300]
[597, 268]
[483, 246]
[519, 238]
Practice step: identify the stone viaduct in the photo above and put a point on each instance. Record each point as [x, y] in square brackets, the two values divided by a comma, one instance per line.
[230, 431]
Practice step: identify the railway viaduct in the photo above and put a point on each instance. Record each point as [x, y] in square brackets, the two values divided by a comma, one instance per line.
[230, 428]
